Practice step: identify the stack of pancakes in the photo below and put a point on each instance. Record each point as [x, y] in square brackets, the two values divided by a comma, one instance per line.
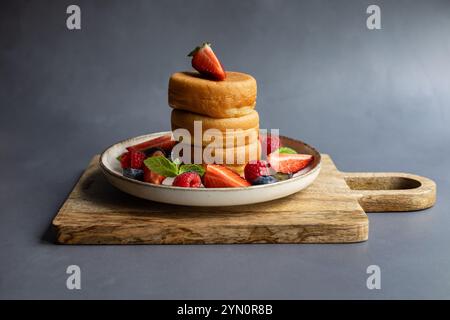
[219, 105]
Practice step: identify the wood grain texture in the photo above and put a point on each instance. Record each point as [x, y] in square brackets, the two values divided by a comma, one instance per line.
[329, 211]
[392, 191]
[96, 213]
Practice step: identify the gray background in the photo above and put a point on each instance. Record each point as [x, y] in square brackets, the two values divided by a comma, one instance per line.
[374, 100]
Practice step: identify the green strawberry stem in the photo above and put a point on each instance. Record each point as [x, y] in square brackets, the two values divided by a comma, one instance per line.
[197, 49]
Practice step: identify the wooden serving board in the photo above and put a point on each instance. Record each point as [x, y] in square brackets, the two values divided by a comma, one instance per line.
[331, 210]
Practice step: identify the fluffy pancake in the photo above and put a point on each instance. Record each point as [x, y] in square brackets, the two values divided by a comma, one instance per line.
[235, 156]
[185, 119]
[233, 97]
[248, 125]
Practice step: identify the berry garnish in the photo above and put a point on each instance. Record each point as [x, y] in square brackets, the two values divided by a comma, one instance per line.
[188, 180]
[288, 163]
[137, 159]
[161, 165]
[137, 174]
[269, 143]
[165, 142]
[205, 61]
[125, 160]
[218, 176]
[255, 169]
[149, 175]
[152, 177]
[264, 180]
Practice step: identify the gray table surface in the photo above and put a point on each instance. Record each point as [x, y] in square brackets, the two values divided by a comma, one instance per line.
[375, 100]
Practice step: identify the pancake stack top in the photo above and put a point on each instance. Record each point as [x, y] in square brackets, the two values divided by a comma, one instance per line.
[220, 105]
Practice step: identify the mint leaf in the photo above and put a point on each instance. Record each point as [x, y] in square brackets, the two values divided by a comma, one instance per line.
[191, 168]
[286, 150]
[161, 165]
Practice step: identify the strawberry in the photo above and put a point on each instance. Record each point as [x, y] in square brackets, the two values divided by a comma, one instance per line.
[218, 176]
[152, 177]
[256, 169]
[165, 142]
[288, 163]
[205, 61]
[187, 180]
[125, 160]
[137, 159]
[269, 143]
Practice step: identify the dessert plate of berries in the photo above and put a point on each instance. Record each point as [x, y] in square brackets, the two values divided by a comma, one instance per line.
[145, 167]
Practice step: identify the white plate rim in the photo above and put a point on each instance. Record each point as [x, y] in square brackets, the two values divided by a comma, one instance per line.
[105, 168]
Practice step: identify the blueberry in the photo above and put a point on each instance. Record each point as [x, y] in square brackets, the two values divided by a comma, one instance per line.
[265, 180]
[136, 174]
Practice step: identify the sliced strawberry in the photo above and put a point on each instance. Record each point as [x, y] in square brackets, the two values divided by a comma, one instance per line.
[152, 177]
[137, 159]
[125, 160]
[205, 61]
[165, 142]
[269, 143]
[288, 163]
[217, 176]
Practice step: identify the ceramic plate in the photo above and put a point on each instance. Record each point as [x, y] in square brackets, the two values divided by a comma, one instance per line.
[204, 196]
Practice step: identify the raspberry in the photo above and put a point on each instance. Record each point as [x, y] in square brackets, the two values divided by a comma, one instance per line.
[125, 160]
[137, 159]
[256, 169]
[187, 180]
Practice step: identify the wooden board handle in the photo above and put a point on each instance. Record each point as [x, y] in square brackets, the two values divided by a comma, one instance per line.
[392, 191]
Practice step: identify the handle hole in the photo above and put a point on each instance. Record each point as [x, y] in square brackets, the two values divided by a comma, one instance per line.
[381, 183]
